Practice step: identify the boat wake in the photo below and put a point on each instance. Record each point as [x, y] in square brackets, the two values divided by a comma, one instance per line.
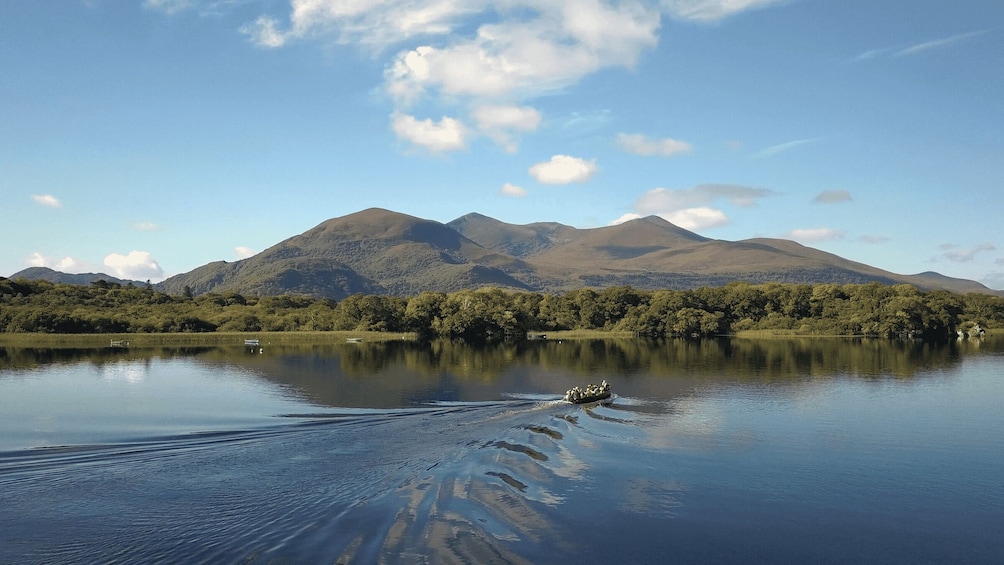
[448, 482]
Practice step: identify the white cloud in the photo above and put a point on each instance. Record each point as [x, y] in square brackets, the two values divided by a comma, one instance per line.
[137, 265]
[46, 200]
[65, 265]
[499, 121]
[639, 144]
[713, 10]
[691, 208]
[832, 197]
[265, 32]
[625, 218]
[244, 252]
[146, 226]
[694, 219]
[168, 7]
[814, 235]
[553, 45]
[448, 134]
[563, 169]
[512, 190]
[486, 53]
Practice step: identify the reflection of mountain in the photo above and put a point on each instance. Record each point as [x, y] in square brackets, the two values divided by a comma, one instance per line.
[399, 374]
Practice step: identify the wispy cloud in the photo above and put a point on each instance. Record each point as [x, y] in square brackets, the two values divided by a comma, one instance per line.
[956, 254]
[46, 200]
[873, 239]
[917, 48]
[640, 144]
[782, 147]
[832, 197]
[713, 10]
[937, 43]
[146, 226]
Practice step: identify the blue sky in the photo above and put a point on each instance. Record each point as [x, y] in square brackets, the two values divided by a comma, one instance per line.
[144, 139]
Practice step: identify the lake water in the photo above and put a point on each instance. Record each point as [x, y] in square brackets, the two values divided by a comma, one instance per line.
[715, 451]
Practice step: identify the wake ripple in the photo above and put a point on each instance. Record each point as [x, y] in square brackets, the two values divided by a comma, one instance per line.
[457, 482]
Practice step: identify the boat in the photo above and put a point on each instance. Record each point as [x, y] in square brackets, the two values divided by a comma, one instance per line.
[251, 342]
[592, 393]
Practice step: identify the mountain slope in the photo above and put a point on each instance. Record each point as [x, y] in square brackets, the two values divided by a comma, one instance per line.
[372, 252]
[378, 251]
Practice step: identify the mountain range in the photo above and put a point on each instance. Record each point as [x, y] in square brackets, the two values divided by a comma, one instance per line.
[378, 251]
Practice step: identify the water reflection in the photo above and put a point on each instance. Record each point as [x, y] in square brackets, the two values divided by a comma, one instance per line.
[400, 373]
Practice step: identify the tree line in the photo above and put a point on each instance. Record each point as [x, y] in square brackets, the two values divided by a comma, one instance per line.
[811, 309]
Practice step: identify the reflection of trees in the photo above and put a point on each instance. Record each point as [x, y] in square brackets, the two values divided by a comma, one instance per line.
[396, 373]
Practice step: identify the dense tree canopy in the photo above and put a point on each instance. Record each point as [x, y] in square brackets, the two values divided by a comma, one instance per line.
[831, 309]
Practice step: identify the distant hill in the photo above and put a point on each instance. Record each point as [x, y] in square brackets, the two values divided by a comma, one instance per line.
[47, 274]
[378, 251]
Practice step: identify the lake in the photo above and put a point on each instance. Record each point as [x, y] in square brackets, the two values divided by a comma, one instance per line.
[712, 451]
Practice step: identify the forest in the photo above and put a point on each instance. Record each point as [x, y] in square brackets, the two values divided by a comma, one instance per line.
[35, 306]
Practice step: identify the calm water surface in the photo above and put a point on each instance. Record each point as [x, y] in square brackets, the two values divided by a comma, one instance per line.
[802, 451]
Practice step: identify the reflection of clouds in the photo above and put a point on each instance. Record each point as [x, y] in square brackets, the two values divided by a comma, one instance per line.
[128, 371]
[651, 497]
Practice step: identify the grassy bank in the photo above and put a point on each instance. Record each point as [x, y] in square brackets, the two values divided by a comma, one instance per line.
[213, 338]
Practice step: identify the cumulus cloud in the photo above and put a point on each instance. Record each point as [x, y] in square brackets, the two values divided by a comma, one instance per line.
[473, 53]
[512, 190]
[448, 134]
[814, 235]
[244, 252]
[138, 265]
[500, 121]
[639, 144]
[692, 219]
[832, 197]
[956, 254]
[46, 200]
[65, 265]
[563, 169]
[691, 208]
[713, 10]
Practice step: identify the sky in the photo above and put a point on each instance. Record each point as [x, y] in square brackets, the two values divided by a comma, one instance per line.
[146, 138]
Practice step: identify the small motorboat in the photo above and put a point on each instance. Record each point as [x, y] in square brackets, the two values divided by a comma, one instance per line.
[592, 393]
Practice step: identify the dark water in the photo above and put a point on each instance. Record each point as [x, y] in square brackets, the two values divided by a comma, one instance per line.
[799, 451]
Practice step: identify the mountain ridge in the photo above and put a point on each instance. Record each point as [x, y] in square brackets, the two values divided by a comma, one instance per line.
[378, 251]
